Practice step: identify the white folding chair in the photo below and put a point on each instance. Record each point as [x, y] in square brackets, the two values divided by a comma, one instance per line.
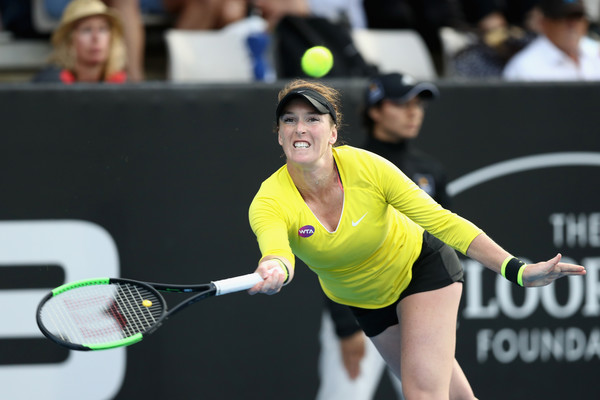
[398, 50]
[207, 56]
[213, 56]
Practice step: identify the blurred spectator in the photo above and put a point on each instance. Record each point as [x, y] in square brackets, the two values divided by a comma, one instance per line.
[273, 11]
[489, 15]
[206, 14]
[497, 29]
[487, 56]
[290, 27]
[347, 12]
[295, 28]
[88, 46]
[188, 15]
[562, 51]
[130, 12]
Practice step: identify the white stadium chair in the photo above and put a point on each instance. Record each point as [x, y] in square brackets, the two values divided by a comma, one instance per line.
[399, 50]
[207, 56]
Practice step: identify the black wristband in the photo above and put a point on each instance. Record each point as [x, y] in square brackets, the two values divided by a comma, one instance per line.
[512, 269]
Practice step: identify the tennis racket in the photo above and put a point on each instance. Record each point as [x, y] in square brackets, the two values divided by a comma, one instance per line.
[104, 313]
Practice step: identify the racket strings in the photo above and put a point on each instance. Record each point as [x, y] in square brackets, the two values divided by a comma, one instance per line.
[99, 314]
[131, 313]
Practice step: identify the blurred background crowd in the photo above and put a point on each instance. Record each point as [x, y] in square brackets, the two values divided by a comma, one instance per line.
[249, 40]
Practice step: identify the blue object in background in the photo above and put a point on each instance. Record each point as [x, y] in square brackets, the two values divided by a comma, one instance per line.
[258, 44]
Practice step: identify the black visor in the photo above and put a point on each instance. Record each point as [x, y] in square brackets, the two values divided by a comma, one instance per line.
[317, 100]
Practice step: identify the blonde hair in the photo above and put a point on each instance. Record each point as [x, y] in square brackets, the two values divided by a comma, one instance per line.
[63, 53]
[331, 94]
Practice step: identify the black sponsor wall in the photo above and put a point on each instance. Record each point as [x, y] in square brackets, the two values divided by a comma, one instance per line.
[537, 197]
[169, 172]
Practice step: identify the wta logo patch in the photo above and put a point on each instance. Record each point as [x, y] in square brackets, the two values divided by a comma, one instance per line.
[306, 231]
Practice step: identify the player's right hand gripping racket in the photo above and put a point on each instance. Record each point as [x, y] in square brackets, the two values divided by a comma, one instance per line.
[104, 313]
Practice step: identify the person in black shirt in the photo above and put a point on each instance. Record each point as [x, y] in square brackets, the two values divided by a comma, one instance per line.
[394, 113]
[349, 365]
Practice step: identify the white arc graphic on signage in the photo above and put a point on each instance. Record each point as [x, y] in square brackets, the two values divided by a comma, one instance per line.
[503, 168]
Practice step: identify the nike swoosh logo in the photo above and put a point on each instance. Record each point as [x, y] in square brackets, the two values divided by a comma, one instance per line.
[354, 223]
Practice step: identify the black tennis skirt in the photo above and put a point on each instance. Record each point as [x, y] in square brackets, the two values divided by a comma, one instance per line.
[438, 266]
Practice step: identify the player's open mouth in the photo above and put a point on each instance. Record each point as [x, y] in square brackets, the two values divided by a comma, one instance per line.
[301, 145]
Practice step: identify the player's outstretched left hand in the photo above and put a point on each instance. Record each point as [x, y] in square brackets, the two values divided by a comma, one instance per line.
[546, 272]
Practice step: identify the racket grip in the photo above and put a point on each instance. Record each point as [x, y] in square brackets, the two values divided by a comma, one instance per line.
[236, 284]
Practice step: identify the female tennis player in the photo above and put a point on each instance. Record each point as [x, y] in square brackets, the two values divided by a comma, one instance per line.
[377, 242]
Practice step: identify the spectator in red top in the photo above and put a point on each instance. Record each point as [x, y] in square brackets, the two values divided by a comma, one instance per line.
[88, 46]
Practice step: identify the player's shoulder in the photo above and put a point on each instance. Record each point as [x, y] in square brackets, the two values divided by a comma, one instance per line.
[359, 162]
[357, 154]
[274, 193]
[275, 180]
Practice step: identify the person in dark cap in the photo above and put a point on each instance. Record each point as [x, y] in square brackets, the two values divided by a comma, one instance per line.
[377, 241]
[393, 116]
[394, 110]
[562, 52]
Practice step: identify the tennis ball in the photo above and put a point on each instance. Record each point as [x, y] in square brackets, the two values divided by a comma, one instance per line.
[317, 61]
[147, 303]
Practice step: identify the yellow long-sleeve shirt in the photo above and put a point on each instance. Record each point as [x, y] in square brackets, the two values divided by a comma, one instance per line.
[367, 261]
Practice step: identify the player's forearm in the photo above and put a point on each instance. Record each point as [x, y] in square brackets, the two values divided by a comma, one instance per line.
[487, 252]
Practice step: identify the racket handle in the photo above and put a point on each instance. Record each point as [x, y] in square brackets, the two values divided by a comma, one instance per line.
[236, 284]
